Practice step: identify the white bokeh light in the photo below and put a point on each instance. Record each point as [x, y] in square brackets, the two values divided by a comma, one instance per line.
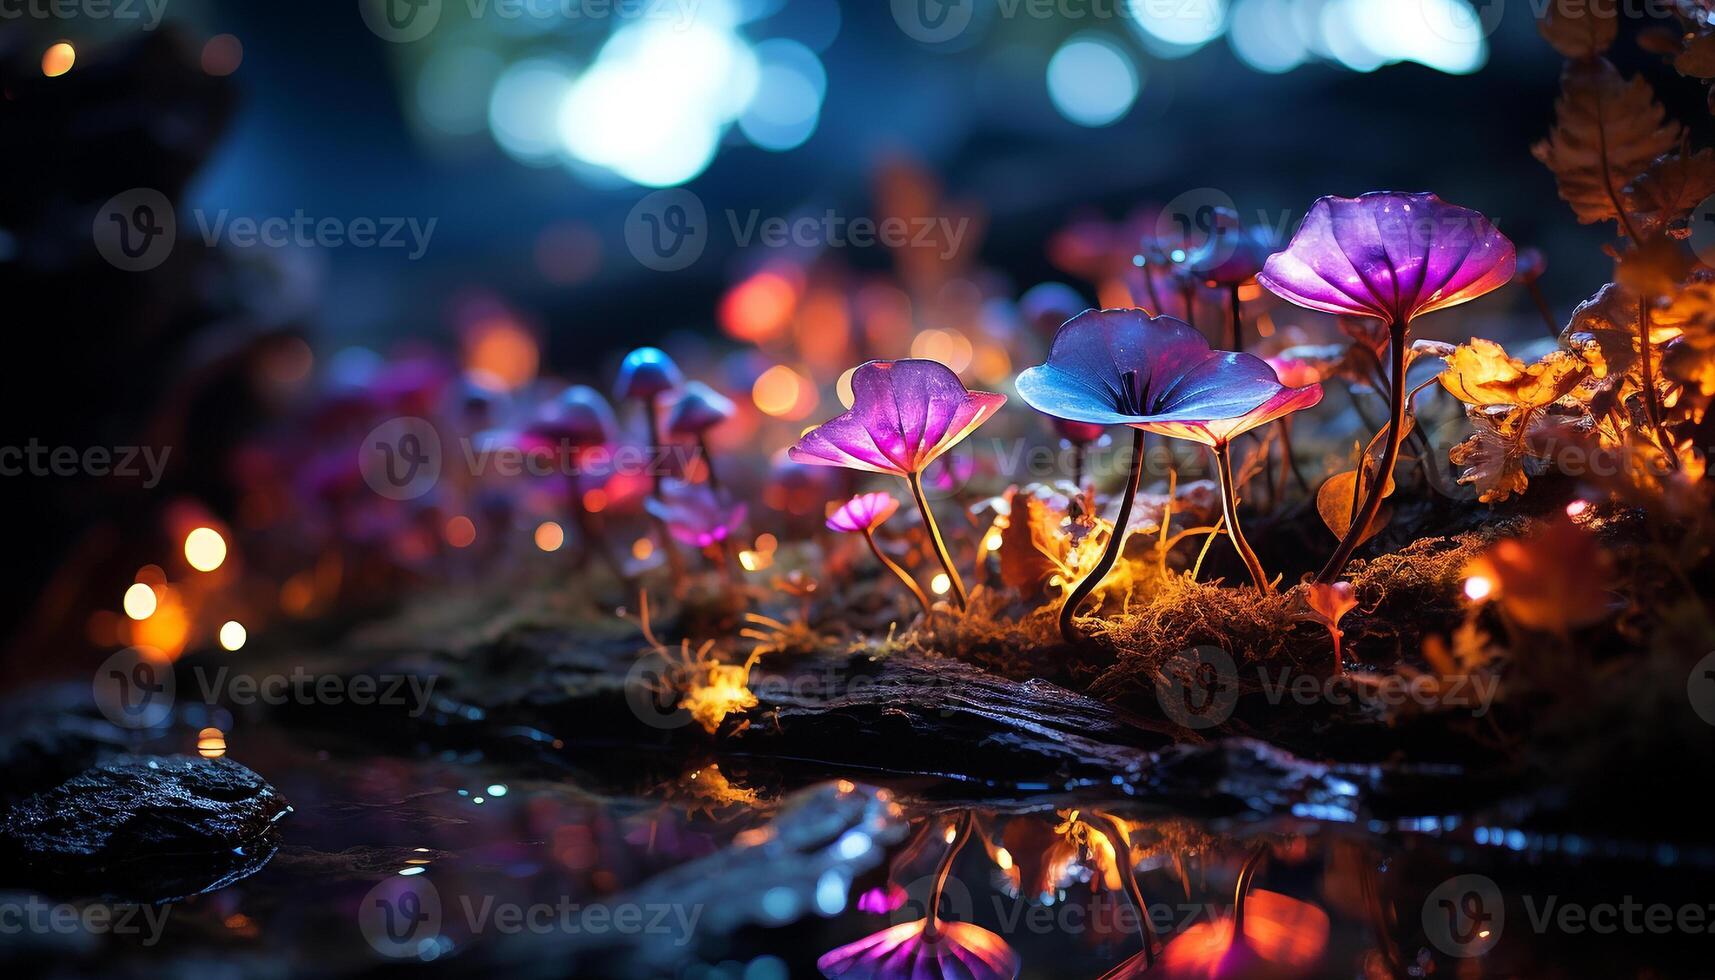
[1263, 35]
[521, 109]
[1092, 81]
[1184, 25]
[654, 105]
[789, 93]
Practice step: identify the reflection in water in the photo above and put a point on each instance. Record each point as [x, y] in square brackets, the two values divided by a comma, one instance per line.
[1049, 886]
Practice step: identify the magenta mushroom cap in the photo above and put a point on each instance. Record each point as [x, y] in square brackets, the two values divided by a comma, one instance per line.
[698, 409]
[958, 950]
[694, 515]
[864, 512]
[904, 414]
[1389, 255]
[645, 373]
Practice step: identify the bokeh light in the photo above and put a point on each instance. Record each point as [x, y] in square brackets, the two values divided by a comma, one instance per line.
[222, 54]
[788, 103]
[522, 107]
[140, 601]
[58, 59]
[655, 104]
[205, 549]
[1092, 81]
[232, 635]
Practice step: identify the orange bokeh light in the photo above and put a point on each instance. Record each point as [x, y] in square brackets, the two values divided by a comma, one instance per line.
[784, 393]
[461, 532]
[758, 308]
[501, 354]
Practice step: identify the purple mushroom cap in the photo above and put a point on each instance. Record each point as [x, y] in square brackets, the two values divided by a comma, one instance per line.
[1389, 255]
[694, 515]
[904, 414]
[698, 409]
[1124, 367]
[580, 417]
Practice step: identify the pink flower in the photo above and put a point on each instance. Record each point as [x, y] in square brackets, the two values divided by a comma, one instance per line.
[864, 512]
[904, 414]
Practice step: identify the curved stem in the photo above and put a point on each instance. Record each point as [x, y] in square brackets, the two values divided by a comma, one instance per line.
[1229, 507]
[916, 481]
[1111, 553]
[1122, 854]
[1373, 502]
[893, 566]
[1247, 874]
[942, 868]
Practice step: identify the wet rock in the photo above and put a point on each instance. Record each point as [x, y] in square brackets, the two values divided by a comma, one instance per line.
[145, 827]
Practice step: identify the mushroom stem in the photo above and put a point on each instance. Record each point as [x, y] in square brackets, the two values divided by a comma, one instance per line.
[1247, 874]
[1288, 460]
[1238, 337]
[1229, 507]
[1378, 489]
[1111, 553]
[708, 463]
[894, 567]
[942, 868]
[1122, 856]
[916, 481]
[675, 563]
[1078, 467]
